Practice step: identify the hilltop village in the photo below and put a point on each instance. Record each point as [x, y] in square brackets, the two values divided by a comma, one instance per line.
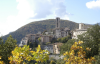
[48, 37]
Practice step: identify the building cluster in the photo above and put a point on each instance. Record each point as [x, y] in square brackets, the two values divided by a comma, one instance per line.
[57, 32]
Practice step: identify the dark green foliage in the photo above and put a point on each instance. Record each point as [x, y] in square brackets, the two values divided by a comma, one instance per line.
[64, 39]
[32, 45]
[42, 25]
[66, 46]
[94, 32]
[97, 57]
[54, 40]
[6, 48]
[91, 39]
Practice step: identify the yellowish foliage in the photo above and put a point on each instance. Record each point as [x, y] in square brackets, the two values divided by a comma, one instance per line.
[1, 62]
[19, 54]
[73, 57]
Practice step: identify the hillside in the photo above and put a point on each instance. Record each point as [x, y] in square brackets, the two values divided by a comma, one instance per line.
[36, 26]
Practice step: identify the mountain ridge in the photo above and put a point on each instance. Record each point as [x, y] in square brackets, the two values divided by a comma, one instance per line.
[42, 25]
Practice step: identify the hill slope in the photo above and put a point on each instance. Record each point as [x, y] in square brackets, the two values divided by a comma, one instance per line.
[42, 25]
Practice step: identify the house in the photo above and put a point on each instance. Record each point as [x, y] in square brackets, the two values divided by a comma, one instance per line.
[82, 29]
[45, 39]
[23, 42]
[30, 38]
[48, 47]
[56, 48]
[52, 48]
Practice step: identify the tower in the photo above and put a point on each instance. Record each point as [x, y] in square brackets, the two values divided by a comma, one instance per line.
[57, 22]
[81, 26]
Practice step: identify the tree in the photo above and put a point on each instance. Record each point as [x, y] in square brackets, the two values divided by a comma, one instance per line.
[94, 32]
[32, 45]
[66, 46]
[48, 43]
[20, 54]
[6, 48]
[91, 39]
[77, 55]
[39, 39]
[64, 39]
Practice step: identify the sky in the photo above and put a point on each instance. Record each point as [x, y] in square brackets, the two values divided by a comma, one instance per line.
[17, 13]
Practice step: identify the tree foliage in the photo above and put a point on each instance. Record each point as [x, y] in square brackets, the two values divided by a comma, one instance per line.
[66, 46]
[64, 39]
[91, 39]
[6, 48]
[77, 55]
[19, 55]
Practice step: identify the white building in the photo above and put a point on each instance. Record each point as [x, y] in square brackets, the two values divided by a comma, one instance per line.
[82, 29]
[23, 41]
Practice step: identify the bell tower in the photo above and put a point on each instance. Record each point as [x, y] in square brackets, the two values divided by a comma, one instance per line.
[57, 22]
[81, 26]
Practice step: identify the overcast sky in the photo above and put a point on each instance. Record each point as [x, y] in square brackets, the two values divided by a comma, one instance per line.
[17, 13]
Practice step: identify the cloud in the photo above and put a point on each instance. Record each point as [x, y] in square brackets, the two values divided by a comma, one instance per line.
[32, 10]
[93, 4]
[14, 22]
[45, 8]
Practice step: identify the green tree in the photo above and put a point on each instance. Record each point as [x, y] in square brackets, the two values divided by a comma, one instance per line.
[66, 46]
[91, 39]
[32, 45]
[64, 39]
[6, 48]
[48, 43]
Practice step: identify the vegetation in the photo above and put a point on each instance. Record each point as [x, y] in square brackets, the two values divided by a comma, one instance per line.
[32, 44]
[77, 55]
[91, 39]
[23, 55]
[6, 48]
[64, 39]
[19, 55]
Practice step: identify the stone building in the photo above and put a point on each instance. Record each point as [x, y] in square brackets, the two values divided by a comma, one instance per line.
[45, 39]
[23, 42]
[30, 38]
[82, 29]
[60, 32]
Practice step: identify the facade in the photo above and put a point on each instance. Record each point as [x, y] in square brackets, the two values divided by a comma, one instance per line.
[45, 38]
[82, 29]
[56, 48]
[48, 47]
[52, 48]
[30, 38]
[23, 42]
